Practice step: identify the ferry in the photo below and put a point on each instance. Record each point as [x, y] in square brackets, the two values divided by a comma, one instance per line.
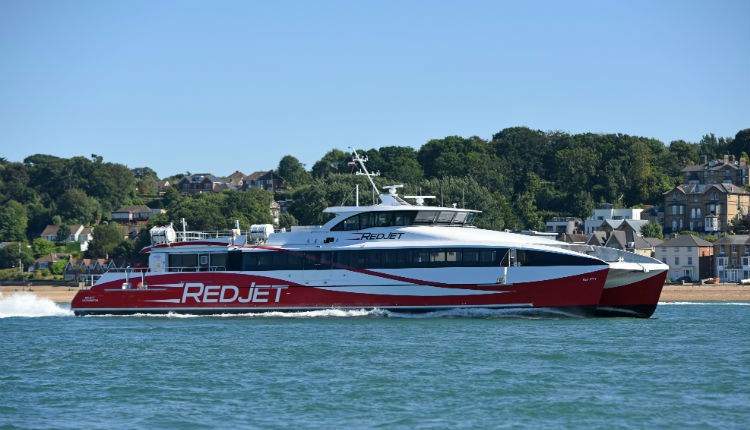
[395, 256]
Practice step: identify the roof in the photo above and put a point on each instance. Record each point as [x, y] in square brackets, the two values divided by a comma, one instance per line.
[724, 188]
[653, 241]
[715, 165]
[733, 239]
[686, 240]
[134, 209]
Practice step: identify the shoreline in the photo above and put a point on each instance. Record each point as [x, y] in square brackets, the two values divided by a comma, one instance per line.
[670, 293]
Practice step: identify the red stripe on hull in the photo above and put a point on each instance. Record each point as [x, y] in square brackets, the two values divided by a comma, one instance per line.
[636, 299]
[232, 292]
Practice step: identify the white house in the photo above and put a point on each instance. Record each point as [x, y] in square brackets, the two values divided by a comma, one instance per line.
[688, 256]
[607, 212]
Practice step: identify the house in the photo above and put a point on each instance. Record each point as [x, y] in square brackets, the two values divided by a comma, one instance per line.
[704, 207]
[236, 179]
[606, 211]
[45, 262]
[267, 180]
[201, 183]
[728, 170]
[131, 214]
[84, 269]
[687, 256]
[86, 236]
[51, 233]
[619, 239]
[733, 257]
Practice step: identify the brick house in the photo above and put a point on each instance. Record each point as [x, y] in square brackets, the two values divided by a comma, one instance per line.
[267, 180]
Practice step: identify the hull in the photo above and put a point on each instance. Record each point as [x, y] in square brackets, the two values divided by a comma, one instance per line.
[631, 291]
[243, 292]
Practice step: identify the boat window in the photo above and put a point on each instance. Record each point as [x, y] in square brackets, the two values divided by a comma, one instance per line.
[470, 257]
[351, 223]
[470, 218]
[383, 219]
[365, 221]
[218, 261]
[445, 217]
[425, 217]
[437, 257]
[460, 217]
[403, 218]
[452, 256]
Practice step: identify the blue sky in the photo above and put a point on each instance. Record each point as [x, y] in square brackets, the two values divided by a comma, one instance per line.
[221, 86]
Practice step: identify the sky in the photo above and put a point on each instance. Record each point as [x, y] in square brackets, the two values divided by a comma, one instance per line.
[219, 86]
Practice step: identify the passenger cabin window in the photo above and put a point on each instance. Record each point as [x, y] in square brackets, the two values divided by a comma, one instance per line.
[404, 218]
[376, 259]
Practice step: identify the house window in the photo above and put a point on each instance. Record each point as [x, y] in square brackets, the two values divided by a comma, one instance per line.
[690, 261]
[734, 249]
[677, 261]
[674, 210]
[690, 249]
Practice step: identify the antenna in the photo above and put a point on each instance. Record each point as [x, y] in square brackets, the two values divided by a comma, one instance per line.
[361, 160]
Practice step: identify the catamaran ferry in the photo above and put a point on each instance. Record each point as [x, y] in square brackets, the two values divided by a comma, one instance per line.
[393, 256]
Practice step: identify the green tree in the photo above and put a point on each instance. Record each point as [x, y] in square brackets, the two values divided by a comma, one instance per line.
[106, 238]
[652, 229]
[13, 222]
[13, 252]
[293, 172]
[335, 161]
[42, 247]
[58, 266]
[75, 205]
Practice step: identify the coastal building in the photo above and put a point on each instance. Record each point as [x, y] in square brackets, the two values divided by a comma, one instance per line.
[727, 170]
[52, 233]
[266, 180]
[564, 225]
[711, 197]
[606, 212]
[689, 257]
[131, 214]
[733, 257]
[703, 207]
[202, 183]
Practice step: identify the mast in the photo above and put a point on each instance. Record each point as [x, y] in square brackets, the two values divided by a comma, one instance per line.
[361, 160]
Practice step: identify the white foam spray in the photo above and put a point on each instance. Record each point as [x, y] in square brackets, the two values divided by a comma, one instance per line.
[25, 304]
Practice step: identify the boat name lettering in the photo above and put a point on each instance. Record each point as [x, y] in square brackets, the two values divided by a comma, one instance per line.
[201, 293]
[377, 236]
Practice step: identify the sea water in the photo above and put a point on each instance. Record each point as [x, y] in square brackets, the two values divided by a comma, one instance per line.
[688, 367]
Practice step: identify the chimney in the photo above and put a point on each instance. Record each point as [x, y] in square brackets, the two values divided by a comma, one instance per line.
[704, 159]
[731, 158]
[726, 159]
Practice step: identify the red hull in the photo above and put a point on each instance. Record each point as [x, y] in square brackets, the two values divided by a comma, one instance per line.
[638, 299]
[243, 293]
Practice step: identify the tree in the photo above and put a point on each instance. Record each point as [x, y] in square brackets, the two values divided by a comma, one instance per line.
[42, 247]
[58, 266]
[13, 222]
[106, 238]
[13, 252]
[335, 161]
[293, 172]
[652, 229]
[75, 205]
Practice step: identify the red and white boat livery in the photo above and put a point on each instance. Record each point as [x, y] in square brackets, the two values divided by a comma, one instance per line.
[392, 256]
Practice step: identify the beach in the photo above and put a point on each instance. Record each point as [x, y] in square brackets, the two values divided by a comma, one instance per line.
[670, 293]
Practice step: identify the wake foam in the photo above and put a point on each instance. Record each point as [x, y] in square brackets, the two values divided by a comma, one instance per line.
[482, 313]
[24, 304]
[707, 303]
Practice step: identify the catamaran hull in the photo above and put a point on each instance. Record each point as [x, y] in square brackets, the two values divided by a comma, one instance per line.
[631, 292]
[223, 293]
